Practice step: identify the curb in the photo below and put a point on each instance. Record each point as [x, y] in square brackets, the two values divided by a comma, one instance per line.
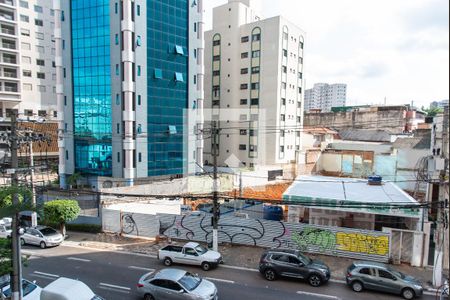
[427, 291]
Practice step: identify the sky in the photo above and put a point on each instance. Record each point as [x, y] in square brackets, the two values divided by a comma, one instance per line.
[396, 50]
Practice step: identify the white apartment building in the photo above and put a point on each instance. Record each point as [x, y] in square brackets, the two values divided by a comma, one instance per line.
[324, 96]
[254, 65]
[27, 73]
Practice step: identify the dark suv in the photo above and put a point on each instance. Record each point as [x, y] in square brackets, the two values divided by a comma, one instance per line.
[292, 263]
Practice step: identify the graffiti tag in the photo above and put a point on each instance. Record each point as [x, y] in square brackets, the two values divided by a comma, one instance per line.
[309, 237]
[362, 243]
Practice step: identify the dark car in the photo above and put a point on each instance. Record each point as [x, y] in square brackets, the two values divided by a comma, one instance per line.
[292, 263]
[382, 278]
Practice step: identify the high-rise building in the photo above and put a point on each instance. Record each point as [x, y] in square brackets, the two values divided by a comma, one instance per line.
[27, 50]
[439, 104]
[324, 96]
[254, 66]
[128, 73]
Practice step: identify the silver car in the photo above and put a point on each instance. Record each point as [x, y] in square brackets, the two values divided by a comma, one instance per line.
[175, 284]
[382, 278]
[41, 236]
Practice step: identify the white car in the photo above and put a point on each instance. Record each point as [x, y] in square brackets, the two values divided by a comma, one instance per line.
[5, 228]
[31, 291]
[41, 236]
[190, 254]
[68, 289]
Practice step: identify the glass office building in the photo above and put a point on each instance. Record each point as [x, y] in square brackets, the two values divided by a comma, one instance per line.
[91, 86]
[131, 69]
[167, 64]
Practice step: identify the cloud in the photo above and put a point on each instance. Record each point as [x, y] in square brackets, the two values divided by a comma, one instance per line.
[433, 14]
[373, 70]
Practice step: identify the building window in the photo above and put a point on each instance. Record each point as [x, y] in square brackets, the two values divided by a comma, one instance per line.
[179, 77]
[256, 37]
[139, 71]
[283, 118]
[244, 86]
[26, 73]
[216, 73]
[244, 71]
[255, 70]
[40, 49]
[138, 12]
[300, 75]
[38, 9]
[216, 43]
[284, 69]
[244, 39]
[244, 55]
[23, 4]
[255, 101]
[301, 45]
[216, 58]
[41, 75]
[255, 86]
[38, 22]
[282, 149]
[25, 19]
[299, 90]
[139, 157]
[179, 50]
[42, 88]
[24, 32]
[244, 101]
[283, 85]
[67, 155]
[242, 147]
[256, 54]
[39, 35]
[253, 148]
[27, 87]
[243, 132]
[40, 62]
[25, 46]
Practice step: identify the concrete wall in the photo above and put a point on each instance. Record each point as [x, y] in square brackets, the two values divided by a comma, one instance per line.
[392, 118]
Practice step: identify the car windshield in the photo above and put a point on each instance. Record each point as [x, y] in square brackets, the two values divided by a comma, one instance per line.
[27, 287]
[305, 259]
[97, 298]
[201, 250]
[190, 281]
[48, 231]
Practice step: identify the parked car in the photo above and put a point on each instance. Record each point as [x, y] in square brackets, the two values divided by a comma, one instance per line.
[5, 228]
[31, 291]
[382, 278]
[190, 254]
[68, 289]
[41, 236]
[292, 263]
[175, 284]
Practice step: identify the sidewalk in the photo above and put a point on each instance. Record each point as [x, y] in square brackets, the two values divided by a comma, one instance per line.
[238, 256]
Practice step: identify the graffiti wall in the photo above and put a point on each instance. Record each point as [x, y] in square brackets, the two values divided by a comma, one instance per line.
[336, 241]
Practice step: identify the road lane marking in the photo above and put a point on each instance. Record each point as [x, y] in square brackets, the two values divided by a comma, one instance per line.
[238, 268]
[220, 280]
[141, 268]
[115, 286]
[79, 259]
[318, 295]
[46, 274]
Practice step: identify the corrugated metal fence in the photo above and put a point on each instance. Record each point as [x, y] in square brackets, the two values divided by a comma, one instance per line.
[336, 241]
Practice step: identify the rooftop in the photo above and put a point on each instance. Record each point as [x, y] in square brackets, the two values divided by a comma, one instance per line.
[366, 135]
[350, 194]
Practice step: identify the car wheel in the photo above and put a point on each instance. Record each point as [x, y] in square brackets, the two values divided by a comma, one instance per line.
[42, 245]
[148, 297]
[167, 262]
[315, 280]
[408, 294]
[22, 242]
[357, 286]
[206, 266]
[270, 274]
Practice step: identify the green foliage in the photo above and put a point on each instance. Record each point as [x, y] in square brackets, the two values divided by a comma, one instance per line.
[73, 179]
[433, 111]
[6, 194]
[5, 256]
[89, 228]
[61, 211]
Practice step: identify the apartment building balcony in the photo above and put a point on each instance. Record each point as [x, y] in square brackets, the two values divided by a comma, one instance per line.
[8, 3]
[7, 31]
[7, 15]
[9, 74]
[8, 45]
[8, 59]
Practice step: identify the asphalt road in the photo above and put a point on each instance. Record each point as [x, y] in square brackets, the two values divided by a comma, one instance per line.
[114, 275]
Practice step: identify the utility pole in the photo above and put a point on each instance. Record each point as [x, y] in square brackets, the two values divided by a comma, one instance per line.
[16, 280]
[33, 188]
[216, 212]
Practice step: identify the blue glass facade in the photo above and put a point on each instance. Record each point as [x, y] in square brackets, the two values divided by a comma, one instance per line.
[167, 38]
[91, 86]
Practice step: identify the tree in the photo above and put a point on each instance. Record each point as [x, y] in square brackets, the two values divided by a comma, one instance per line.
[61, 212]
[5, 257]
[432, 111]
[74, 178]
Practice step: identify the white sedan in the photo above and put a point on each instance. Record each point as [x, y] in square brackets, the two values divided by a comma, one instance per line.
[31, 291]
[5, 228]
[41, 236]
